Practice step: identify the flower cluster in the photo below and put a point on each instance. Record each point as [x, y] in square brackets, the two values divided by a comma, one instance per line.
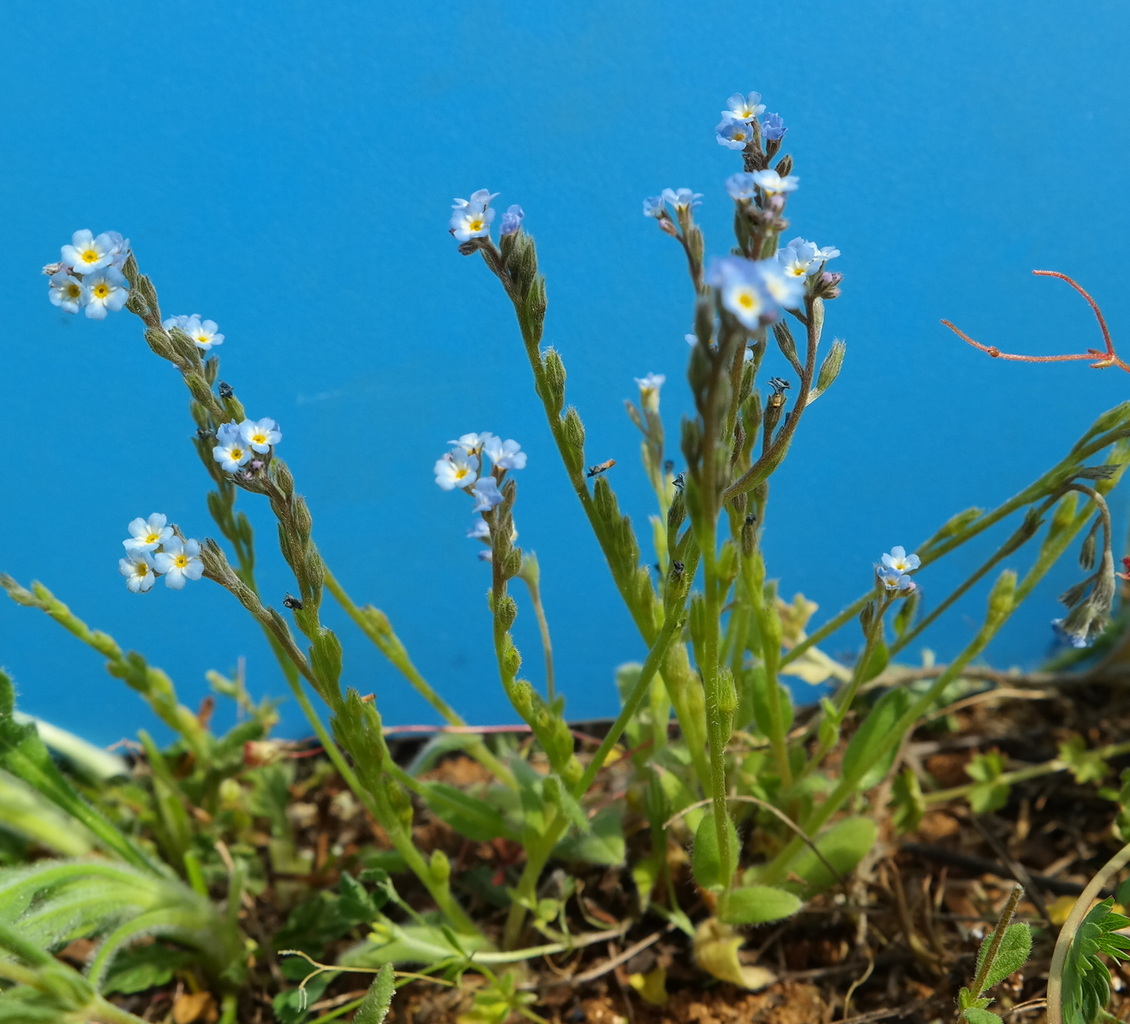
[462, 467]
[239, 443]
[154, 549]
[755, 291]
[203, 332]
[740, 117]
[894, 569]
[89, 276]
[472, 217]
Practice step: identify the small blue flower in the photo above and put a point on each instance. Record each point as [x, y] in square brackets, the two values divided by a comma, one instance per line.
[741, 185]
[682, 199]
[733, 134]
[653, 207]
[504, 454]
[487, 494]
[773, 127]
[471, 218]
[744, 108]
[741, 287]
[892, 579]
[1079, 640]
[900, 561]
[512, 220]
[771, 183]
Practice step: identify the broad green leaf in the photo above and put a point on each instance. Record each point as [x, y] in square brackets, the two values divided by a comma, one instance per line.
[843, 846]
[879, 660]
[706, 861]
[603, 843]
[871, 751]
[976, 1016]
[758, 904]
[1011, 955]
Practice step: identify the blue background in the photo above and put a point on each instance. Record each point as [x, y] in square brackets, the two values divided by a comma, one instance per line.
[288, 169]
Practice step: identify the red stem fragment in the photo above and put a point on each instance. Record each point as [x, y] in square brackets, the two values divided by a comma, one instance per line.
[1104, 358]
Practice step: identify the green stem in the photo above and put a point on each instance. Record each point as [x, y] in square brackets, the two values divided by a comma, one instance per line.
[937, 545]
[1107, 753]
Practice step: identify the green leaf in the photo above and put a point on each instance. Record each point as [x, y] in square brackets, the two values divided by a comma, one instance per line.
[870, 753]
[374, 1007]
[908, 804]
[140, 968]
[987, 794]
[976, 1016]
[603, 843]
[706, 861]
[1012, 954]
[843, 846]
[470, 816]
[758, 904]
[1084, 764]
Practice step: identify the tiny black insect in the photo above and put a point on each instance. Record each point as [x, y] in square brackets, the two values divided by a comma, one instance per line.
[225, 389]
[292, 602]
[779, 385]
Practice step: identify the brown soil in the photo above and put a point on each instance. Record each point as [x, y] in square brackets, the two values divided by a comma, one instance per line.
[895, 944]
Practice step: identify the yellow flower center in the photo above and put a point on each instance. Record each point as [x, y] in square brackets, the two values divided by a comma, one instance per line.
[90, 256]
[101, 290]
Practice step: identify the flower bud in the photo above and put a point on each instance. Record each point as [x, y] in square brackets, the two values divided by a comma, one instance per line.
[439, 867]
[554, 379]
[574, 431]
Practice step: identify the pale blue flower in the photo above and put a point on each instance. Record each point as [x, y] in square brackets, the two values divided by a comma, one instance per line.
[147, 534]
[137, 568]
[786, 291]
[472, 444]
[87, 253]
[741, 185]
[744, 108]
[471, 218]
[480, 198]
[511, 220]
[203, 332]
[486, 493]
[733, 134]
[232, 452]
[801, 258]
[682, 199]
[456, 469]
[260, 436]
[649, 388]
[1074, 639]
[754, 291]
[771, 183]
[178, 562]
[892, 579]
[773, 127]
[505, 454]
[900, 561]
[653, 207]
[66, 291]
[106, 291]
